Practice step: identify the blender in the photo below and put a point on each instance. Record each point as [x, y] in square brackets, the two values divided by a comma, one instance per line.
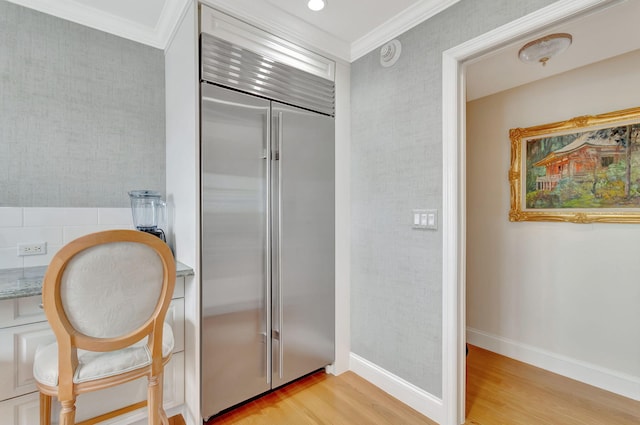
[148, 211]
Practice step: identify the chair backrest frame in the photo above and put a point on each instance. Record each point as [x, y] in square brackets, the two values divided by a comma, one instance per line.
[69, 338]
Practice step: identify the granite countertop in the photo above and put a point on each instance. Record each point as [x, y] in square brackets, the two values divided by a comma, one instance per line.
[27, 281]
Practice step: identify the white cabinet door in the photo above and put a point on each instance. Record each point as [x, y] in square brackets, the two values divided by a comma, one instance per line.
[21, 311]
[17, 349]
[175, 318]
[174, 381]
[23, 410]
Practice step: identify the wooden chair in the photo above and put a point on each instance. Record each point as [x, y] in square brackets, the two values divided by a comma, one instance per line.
[105, 296]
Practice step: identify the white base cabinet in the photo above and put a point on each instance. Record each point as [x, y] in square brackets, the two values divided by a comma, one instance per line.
[24, 410]
[23, 327]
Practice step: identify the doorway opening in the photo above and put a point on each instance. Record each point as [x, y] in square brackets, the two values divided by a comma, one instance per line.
[455, 62]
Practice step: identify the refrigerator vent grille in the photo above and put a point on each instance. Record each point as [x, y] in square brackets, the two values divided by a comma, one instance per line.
[231, 66]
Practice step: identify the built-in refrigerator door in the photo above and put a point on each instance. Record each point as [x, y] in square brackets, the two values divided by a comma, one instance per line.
[235, 238]
[303, 242]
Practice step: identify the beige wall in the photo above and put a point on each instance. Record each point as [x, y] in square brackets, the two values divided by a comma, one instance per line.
[563, 296]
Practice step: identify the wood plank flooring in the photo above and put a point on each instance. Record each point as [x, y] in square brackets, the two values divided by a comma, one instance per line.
[176, 420]
[500, 391]
[324, 399]
[505, 391]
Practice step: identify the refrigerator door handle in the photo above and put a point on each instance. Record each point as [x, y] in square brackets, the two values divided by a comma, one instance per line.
[278, 132]
[267, 247]
[278, 331]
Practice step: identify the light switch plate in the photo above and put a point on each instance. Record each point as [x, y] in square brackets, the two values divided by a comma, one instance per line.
[425, 219]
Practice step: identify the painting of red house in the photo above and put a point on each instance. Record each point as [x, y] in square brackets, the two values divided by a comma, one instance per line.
[591, 169]
[579, 160]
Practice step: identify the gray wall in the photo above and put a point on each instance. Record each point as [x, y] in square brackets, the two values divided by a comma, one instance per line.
[396, 293]
[82, 116]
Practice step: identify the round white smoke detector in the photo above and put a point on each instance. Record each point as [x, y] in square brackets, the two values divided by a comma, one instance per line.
[390, 52]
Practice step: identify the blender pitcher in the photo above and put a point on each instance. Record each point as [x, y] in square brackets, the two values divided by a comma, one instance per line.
[148, 211]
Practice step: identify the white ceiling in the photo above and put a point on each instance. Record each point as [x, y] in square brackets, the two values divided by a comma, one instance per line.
[347, 20]
[348, 29]
[597, 36]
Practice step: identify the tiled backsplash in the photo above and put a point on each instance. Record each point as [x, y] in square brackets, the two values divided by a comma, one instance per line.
[55, 226]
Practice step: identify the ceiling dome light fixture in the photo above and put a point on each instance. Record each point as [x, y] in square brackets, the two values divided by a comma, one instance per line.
[317, 5]
[543, 49]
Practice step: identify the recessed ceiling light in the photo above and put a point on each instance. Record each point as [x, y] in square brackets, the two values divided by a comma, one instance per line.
[543, 49]
[316, 5]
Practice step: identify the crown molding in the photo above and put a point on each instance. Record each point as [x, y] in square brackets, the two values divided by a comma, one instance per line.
[402, 22]
[172, 14]
[79, 13]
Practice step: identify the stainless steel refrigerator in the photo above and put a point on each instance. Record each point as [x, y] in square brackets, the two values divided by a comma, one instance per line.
[267, 196]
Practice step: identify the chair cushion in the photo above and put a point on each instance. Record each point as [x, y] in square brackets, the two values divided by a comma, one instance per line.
[93, 365]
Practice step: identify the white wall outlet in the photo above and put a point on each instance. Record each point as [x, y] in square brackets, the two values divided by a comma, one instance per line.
[425, 219]
[37, 248]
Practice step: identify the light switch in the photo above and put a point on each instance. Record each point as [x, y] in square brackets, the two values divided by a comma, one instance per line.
[425, 219]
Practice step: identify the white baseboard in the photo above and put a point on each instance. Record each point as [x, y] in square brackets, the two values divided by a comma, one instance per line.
[606, 379]
[409, 394]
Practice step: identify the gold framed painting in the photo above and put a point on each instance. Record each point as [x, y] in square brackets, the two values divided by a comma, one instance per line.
[583, 170]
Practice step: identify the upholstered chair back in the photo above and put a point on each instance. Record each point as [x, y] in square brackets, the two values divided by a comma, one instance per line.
[111, 289]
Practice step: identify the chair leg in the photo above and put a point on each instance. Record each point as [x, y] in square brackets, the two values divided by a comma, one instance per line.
[163, 414]
[154, 400]
[68, 412]
[45, 409]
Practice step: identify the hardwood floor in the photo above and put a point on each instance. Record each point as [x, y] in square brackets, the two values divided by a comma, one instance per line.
[500, 391]
[324, 399]
[176, 420]
[505, 391]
